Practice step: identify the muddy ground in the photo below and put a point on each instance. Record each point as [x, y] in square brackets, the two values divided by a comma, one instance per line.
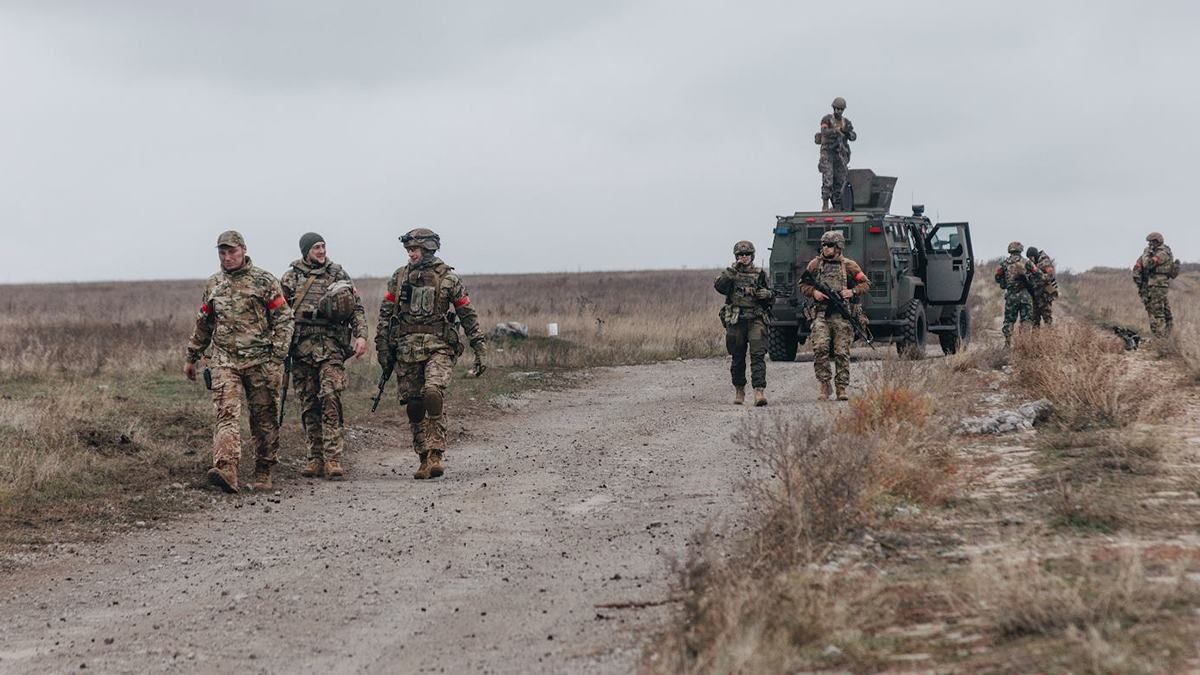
[546, 548]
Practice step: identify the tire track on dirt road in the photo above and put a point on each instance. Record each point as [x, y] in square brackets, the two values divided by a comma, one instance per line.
[578, 499]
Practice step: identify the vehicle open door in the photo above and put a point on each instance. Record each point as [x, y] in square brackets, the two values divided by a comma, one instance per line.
[950, 265]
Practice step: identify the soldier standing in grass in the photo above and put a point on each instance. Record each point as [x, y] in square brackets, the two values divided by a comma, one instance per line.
[1152, 273]
[831, 332]
[834, 137]
[418, 334]
[330, 327]
[248, 323]
[748, 298]
[1017, 276]
[1045, 288]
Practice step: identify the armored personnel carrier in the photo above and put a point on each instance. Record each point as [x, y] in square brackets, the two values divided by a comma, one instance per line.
[920, 271]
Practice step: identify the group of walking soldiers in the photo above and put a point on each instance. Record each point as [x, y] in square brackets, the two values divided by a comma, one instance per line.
[1030, 288]
[257, 332]
[748, 298]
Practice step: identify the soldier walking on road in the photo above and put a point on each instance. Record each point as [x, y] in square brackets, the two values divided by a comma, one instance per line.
[1017, 276]
[834, 138]
[418, 334]
[248, 323]
[1152, 273]
[748, 298]
[331, 326]
[831, 332]
[1044, 288]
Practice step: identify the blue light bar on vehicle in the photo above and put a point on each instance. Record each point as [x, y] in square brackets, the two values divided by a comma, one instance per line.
[783, 229]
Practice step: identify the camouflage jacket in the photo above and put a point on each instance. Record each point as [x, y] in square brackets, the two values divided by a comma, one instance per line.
[747, 291]
[1017, 276]
[835, 135]
[320, 338]
[421, 312]
[1155, 267]
[838, 273]
[1045, 282]
[244, 317]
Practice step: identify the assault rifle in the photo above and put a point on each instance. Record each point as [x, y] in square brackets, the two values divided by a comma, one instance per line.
[1128, 335]
[838, 303]
[287, 376]
[383, 379]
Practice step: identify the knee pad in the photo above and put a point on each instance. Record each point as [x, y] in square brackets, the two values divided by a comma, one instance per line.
[415, 410]
[433, 401]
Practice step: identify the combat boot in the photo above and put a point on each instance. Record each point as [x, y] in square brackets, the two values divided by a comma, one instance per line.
[760, 397]
[841, 393]
[224, 475]
[334, 470]
[826, 390]
[315, 467]
[739, 395]
[423, 472]
[435, 464]
[262, 476]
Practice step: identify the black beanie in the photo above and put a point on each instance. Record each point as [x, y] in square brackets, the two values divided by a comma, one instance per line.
[308, 241]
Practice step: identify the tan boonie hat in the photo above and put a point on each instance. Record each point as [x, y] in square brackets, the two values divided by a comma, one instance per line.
[231, 238]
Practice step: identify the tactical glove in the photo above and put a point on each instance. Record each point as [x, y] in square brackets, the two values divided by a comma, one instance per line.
[763, 294]
[479, 347]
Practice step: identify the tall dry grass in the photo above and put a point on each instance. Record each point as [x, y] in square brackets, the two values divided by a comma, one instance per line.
[771, 603]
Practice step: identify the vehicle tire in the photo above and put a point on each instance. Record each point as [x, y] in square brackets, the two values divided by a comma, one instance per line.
[782, 343]
[952, 343]
[910, 341]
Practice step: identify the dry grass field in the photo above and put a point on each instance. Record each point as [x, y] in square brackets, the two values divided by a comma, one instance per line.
[95, 415]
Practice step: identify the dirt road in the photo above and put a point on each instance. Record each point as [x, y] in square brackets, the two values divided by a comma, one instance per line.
[573, 500]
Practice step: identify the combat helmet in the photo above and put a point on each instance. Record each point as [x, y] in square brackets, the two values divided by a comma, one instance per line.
[743, 247]
[1155, 237]
[834, 237]
[1014, 247]
[1032, 253]
[423, 237]
[839, 102]
[338, 303]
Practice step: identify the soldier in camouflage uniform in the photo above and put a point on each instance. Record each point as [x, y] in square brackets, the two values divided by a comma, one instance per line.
[1152, 273]
[1017, 276]
[418, 332]
[248, 323]
[830, 331]
[834, 138]
[330, 327]
[1045, 288]
[747, 297]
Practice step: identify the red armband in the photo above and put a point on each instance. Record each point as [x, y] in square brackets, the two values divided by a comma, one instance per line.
[860, 277]
[389, 297]
[354, 291]
[275, 304]
[1154, 259]
[462, 302]
[205, 310]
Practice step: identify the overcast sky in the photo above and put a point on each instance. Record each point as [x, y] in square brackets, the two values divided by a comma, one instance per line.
[555, 135]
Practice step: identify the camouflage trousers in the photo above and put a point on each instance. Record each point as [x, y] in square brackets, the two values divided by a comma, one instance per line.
[1017, 307]
[423, 386]
[261, 384]
[832, 166]
[1159, 310]
[748, 335]
[1041, 310]
[319, 388]
[831, 334]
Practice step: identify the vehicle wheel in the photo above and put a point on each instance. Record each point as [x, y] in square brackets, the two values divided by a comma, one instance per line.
[952, 343]
[910, 341]
[781, 343]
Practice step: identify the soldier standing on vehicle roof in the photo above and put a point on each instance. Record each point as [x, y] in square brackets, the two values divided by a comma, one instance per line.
[1045, 287]
[1017, 276]
[748, 298]
[418, 332]
[247, 321]
[831, 332]
[1152, 273]
[330, 327]
[834, 137]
